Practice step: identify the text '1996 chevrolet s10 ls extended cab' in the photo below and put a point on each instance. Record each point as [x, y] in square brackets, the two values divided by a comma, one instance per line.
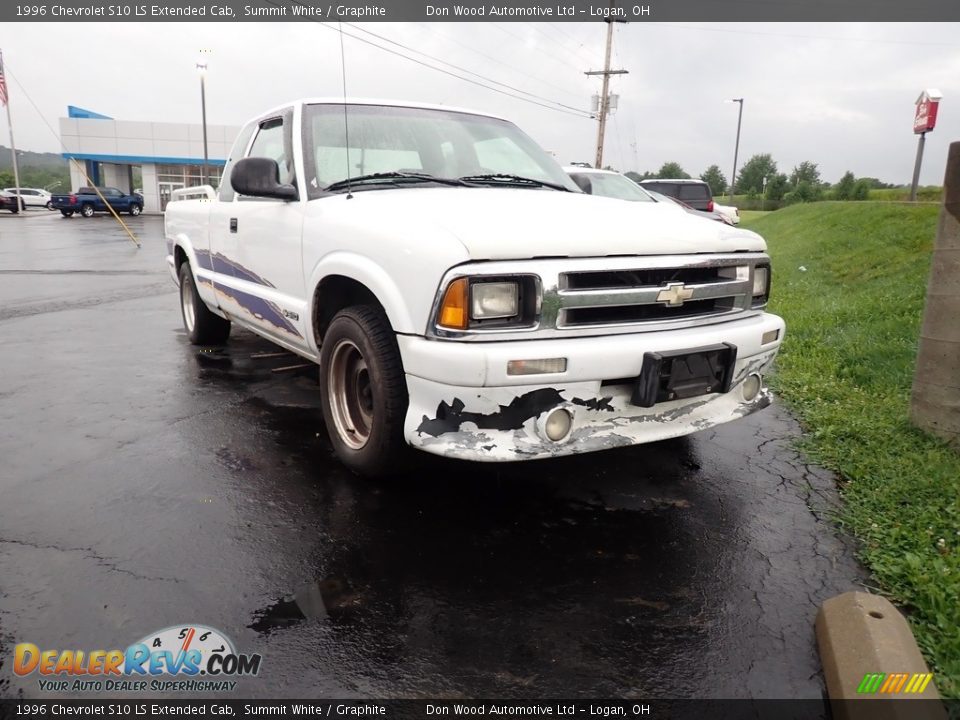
[461, 295]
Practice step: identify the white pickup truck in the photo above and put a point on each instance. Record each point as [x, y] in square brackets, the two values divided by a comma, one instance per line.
[461, 295]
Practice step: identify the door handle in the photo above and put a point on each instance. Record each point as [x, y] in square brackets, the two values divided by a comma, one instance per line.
[233, 225]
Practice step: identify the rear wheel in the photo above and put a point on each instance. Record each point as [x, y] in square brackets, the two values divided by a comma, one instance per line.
[67, 213]
[86, 210]
[203, 326]
[363, 391]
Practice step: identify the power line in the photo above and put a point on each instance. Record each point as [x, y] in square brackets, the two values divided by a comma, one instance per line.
[556, 42]
[548, 104]
[539, 49]
[463, 69]
[491, 58]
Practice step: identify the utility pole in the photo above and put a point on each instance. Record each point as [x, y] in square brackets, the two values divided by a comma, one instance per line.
[736, 148]
[604, 109]
[936, 397]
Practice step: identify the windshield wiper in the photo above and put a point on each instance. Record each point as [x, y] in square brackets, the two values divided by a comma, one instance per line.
[507, 179]
[391, 177]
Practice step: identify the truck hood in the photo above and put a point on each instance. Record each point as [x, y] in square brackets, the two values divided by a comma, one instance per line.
[512, 223]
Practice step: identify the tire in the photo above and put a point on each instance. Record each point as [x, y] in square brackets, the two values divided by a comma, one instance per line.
[135, 209]
[363, 391]
[203, 326]
[49, 205]
[87, 210]
[67, 213]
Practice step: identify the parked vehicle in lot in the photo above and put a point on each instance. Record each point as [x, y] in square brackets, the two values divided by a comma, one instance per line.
[9, 202]
[731, 213]
[607, 183]
[714, 215]
[87, 201]
[32, 197]
[695, 193]
[461, 295]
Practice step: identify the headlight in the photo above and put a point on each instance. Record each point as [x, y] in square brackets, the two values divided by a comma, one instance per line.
[490, 300]
[761, 284]
[485, 302]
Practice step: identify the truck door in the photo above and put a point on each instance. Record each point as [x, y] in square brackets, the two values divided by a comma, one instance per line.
[255, 244]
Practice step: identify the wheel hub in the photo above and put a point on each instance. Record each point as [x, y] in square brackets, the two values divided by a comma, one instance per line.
[350, 394]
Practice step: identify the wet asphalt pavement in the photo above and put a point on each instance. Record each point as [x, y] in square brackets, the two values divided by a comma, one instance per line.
[145, 483]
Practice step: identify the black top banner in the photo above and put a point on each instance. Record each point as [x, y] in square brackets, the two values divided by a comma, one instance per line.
[479, 10]
[504, 709]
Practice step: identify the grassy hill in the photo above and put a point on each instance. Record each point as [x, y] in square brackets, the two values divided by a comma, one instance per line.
[36, 169]
[850, 281]
[29, 159]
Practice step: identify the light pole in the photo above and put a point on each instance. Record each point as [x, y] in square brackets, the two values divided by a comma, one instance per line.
[736, 148]
[202, 69]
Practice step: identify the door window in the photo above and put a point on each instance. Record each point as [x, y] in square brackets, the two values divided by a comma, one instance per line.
[269, 144]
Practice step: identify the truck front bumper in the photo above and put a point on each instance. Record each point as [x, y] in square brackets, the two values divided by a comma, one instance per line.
[463, 403]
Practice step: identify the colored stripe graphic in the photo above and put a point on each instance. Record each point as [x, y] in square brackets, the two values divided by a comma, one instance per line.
[894, 683]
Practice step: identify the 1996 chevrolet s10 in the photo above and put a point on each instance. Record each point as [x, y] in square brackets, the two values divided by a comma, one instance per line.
[461, 295]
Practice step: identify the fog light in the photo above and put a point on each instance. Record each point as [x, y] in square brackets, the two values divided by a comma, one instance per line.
[557, 424]
[769, 336]
[536, 367]
[751, 387]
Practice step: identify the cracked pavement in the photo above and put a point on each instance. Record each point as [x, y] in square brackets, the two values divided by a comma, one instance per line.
[146, 483]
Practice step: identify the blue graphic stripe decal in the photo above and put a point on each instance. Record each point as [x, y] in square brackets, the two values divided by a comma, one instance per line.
[223, 264]
[260, 308]
[203, 259]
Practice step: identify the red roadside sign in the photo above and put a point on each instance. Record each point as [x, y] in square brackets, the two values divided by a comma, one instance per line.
[926, 117]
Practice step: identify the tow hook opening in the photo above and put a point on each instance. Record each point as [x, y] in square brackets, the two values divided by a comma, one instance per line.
[555, 425]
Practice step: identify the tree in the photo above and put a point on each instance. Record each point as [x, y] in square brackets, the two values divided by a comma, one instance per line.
[715, 179]
[861, 190]
[753, 174]
[805, 172]
[672, 170]
[844, 189]
[776, 187]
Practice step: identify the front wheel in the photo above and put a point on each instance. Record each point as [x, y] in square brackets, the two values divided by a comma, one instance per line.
[49, 205]
[203, 326]
[87, 210]
[135, 209]
[67, 213]
[363, 391]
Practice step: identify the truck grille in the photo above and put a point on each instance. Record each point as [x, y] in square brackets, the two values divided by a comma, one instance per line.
[652, 294]
[609, 295]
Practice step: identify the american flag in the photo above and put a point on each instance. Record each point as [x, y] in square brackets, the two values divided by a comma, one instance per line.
[3, 82]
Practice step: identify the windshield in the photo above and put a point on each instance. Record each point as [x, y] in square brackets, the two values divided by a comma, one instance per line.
[611, 185]
[441, 143]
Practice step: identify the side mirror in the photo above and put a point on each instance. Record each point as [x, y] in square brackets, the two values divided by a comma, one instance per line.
[260, 177]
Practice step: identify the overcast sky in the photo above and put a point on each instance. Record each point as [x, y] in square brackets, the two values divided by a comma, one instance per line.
[839, 94]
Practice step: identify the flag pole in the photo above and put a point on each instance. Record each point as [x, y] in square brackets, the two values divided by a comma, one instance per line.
[13, 147]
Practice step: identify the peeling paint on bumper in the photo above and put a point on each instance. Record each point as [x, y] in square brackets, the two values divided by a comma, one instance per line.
[500, 424]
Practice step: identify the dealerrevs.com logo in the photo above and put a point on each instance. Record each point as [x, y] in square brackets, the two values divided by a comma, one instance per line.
[182, 658]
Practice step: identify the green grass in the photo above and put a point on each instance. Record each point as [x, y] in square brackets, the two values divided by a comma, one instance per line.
[751, 215]
[853, 318]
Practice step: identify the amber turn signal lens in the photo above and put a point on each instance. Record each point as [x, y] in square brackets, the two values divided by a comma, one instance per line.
[453, 309]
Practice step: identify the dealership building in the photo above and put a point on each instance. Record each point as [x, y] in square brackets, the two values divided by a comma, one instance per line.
[168, 155]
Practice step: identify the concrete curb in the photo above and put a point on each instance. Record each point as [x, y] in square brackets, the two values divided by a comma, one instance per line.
[860, 634]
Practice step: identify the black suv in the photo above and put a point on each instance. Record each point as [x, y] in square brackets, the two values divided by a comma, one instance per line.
[695, 193]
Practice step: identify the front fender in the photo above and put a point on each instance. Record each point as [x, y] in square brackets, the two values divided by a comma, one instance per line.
[366, 271]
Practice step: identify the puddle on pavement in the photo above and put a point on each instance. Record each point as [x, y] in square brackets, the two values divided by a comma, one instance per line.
[315, 601]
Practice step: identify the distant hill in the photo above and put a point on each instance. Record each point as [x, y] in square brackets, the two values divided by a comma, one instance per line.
[28, 159]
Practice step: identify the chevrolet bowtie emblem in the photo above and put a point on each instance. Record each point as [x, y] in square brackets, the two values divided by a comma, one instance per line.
[674, 294]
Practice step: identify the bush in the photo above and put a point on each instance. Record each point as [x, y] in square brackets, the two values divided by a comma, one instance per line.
[861, 190]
